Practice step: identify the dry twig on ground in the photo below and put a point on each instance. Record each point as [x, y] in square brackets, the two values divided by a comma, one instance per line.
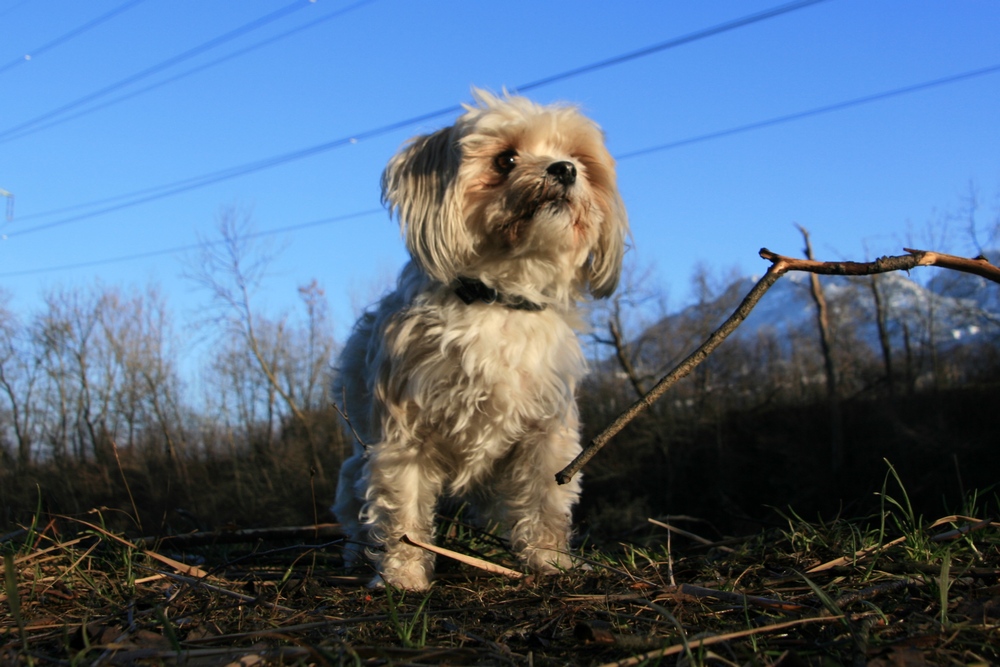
[77, 604]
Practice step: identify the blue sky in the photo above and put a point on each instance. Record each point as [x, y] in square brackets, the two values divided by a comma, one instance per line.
[863, 179]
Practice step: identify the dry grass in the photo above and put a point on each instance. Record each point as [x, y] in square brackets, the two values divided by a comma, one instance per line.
[895, 591]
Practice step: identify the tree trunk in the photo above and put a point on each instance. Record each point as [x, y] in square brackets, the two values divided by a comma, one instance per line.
[825, 340]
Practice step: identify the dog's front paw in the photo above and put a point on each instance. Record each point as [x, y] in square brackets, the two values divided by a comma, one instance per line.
[407, 567]
[548, 561]
[412, 578]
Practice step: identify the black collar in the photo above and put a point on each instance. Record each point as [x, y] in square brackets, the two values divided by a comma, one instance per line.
[471, 290]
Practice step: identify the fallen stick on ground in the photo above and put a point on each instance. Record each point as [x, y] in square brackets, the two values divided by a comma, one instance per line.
[243, 535]
[462, 558]
[878, 548]
[693, 644]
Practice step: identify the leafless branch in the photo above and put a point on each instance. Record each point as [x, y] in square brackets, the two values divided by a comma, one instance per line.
[979, 266]
[780, 265]
[680, 371]
[243, 536]
[231, 270]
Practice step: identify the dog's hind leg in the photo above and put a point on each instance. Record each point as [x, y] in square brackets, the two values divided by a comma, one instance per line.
[347, 506]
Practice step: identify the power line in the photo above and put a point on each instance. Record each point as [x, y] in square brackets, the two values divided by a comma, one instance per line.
[14, 7]
[75, 32]
[838, 106]
[158, 192]
[675, 42]
[162, 65]
[182, 75]
[192, 246]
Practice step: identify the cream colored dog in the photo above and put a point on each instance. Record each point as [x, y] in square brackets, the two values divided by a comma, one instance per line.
[462, 380]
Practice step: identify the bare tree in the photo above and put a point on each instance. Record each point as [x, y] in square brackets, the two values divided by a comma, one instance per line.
[19, 372]
[882, 324]
[274, 366]
[826, 344]
[231, 270]
[138, 334]
[982, 236]
[105, 373]
[65, 332]
[312, 368]
[628, 319]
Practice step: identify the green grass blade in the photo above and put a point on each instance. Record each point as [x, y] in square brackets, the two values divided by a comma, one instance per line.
[13, 599]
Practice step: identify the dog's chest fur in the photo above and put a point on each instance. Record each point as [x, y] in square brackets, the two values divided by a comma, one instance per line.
[471, 382]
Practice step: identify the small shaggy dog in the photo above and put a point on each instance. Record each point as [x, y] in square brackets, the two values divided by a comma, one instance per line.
[462, 380]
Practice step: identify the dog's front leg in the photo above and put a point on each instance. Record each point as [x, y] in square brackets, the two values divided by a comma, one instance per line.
[538, 509]
[402, 493]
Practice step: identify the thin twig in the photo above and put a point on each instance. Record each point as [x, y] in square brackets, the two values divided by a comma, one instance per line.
[201, 583]
[775, 271]
[707, 641]
[878, 548]
[962, 530]
[731, 596]
[680, 531]
[979, 266]
[485, 565]
[243, 535]
[170, 562]
[780, 265]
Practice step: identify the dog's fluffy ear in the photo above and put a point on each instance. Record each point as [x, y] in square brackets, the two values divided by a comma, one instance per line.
[419, 186]
[605, 265]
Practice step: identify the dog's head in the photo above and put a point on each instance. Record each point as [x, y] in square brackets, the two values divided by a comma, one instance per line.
[511, 182]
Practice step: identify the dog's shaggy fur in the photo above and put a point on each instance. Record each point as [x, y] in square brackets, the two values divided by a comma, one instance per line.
[462, 380]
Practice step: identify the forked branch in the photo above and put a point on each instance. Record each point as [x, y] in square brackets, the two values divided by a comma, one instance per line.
[979, 266]
[780, 264]
[679, 371]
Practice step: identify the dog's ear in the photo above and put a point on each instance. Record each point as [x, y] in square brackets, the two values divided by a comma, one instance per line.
[605, 265]
[419, 187]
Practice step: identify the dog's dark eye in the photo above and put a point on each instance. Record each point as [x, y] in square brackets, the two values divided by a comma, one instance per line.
[505, 162]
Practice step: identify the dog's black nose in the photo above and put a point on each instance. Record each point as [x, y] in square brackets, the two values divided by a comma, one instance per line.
[564, 172]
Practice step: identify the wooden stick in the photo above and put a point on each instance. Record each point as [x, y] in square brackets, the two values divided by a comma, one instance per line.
[979, 266]
[708, 641]
[780, 265]
[492, 568]
[963, 530]
[878, 548]
[244, 535]
[776, 270]
[729, 596]
[201, 583]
